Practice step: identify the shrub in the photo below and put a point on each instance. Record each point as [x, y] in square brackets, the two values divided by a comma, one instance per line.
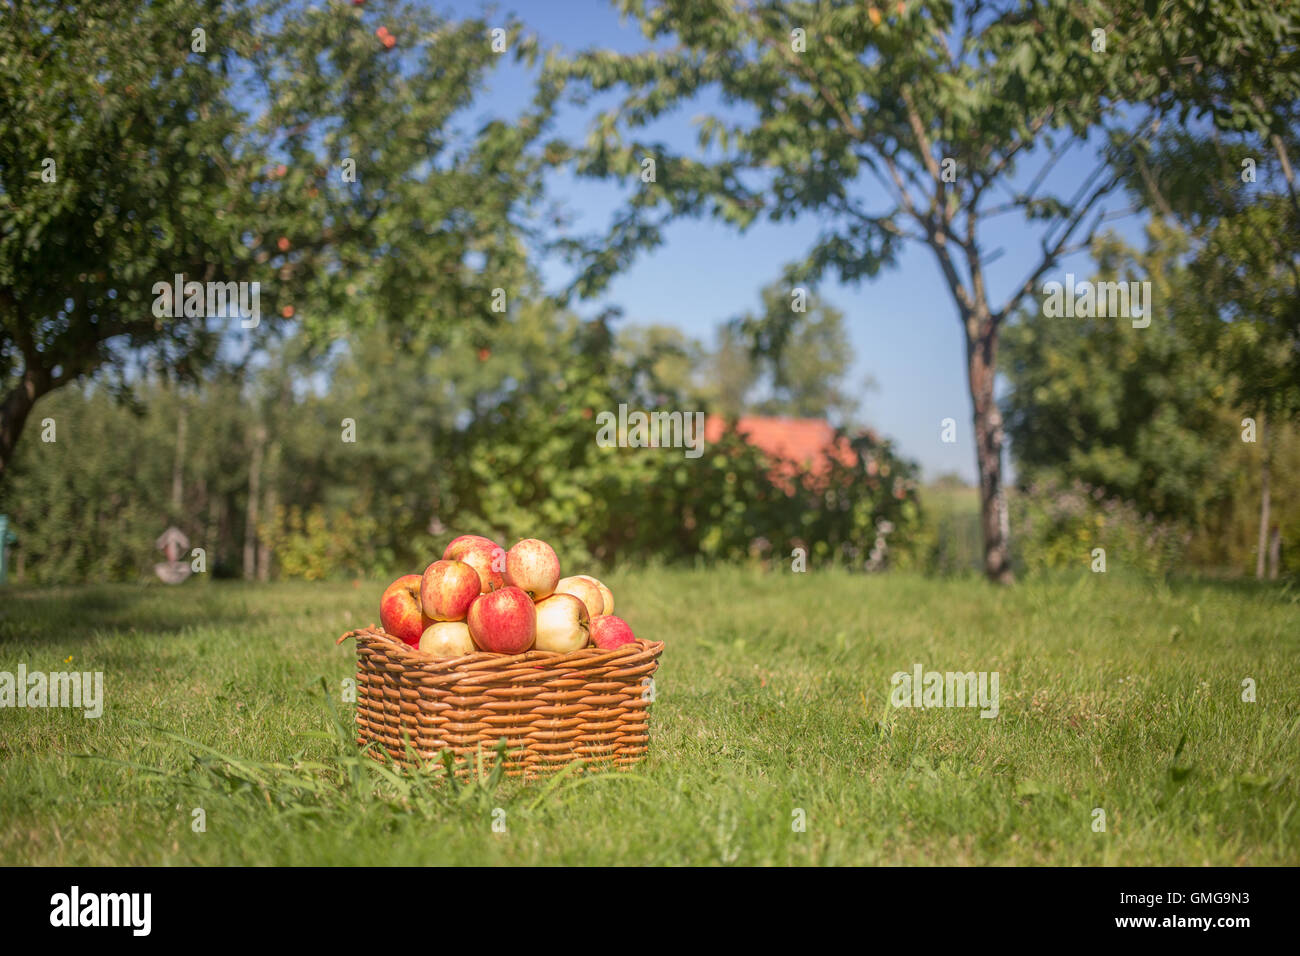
[1059, 527]
[315, 544]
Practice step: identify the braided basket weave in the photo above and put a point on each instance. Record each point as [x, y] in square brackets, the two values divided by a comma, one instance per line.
[590, 705]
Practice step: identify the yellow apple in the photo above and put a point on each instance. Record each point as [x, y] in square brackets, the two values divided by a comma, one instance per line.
[605, 592]
[562, 622]
[447, 639]
[584, 591]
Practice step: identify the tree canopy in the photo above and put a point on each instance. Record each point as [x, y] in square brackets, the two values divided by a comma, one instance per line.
[907, 122]
[298, 147]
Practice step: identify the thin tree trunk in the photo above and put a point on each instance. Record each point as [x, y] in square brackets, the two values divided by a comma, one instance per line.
[1274, 552]
[1265, 502]
[254, 493]
[219, 536]
[981, 356]
[270, 502]
[202, 506]
[264, 547]
[178, 464]
[206, 514]
[1287, 173]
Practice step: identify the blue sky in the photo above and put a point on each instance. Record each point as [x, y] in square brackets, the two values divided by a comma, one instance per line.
[902, 324]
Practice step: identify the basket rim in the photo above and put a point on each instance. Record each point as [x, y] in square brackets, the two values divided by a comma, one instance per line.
[407, 654]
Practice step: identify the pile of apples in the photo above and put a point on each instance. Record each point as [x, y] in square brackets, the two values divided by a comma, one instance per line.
[482, 597]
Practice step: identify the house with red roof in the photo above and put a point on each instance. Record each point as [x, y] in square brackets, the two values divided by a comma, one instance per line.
[800, 448]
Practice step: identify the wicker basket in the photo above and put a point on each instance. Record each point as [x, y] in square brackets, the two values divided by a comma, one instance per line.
[590, 705]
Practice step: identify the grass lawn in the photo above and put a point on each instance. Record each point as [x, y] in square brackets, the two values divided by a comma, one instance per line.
[773, 697]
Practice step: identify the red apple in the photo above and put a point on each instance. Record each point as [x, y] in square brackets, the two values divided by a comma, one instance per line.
[533, 566]
[447, 590]
[462, 544]
[562, 623]
[503, 621]
[489, 560]
[400, 610]
[584, 591]
[609, 632]
[447, 639]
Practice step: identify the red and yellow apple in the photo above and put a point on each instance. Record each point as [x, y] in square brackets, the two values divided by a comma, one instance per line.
[562, 623]
[533, 566]
[400, 611]
[447, 639]
[609, 632]
[503, 621]
[462, 544]
[447, 589]
[489, 560]
[584, 591]
[605, 593]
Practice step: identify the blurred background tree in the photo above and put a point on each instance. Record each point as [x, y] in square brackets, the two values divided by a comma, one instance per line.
[404, 308]
[1230, 185]
[495, 435]
[1138, 412]
[249, 142]
[785, 360]
[1152, 419]
[1156, 418]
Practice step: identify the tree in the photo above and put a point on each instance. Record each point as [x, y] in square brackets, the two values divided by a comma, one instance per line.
[271, 142]
[1152, 429]
[1239, 66]
[1140, 416]
[666, 363]
[889, 125]
[1248, 263]
[795, 350]
[732, 373]
[1235, 64]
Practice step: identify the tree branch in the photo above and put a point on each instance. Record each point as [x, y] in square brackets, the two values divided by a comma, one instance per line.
[1052, 254]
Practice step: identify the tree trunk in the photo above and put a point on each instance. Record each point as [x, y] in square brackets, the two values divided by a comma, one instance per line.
[981, 358]
[1287, 173]
[264, 547]
[1274, 552]
[250, 515]
[270, 502]
[178, 464]
[1265, 502]
[15, 408]
[219, 530]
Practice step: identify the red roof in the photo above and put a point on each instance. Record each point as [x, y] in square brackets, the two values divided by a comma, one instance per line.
[802, 446]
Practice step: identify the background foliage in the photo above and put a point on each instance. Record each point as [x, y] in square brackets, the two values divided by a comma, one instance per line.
[408, 302]
[498, 439]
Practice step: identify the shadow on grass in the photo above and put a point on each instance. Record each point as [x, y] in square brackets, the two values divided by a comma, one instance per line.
[1281, 592]
[36, 617]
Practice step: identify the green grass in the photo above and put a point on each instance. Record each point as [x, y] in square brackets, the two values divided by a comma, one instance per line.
[772, 697]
